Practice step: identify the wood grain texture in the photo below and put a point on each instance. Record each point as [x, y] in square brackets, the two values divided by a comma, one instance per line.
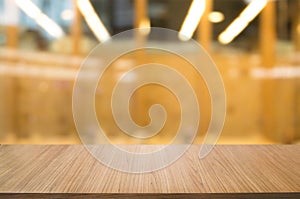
[248, 171]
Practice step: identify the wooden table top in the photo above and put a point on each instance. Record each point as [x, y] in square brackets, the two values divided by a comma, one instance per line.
[229, 171]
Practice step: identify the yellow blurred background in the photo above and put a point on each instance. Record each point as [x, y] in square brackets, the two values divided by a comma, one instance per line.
[254, 43]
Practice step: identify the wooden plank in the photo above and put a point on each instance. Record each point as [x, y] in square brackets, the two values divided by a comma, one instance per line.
[149, 196]
[268, 34]
[267, 49]
[205, 27]
[296, 43]
[12, 86]
[278, 118]
[140, 16]
[76, 29]
[12, 36]
[296, 25]
[11, 14]
[141, 13]
[249, 171]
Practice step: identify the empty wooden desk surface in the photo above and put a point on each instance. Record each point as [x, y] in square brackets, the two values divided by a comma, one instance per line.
[229, 171]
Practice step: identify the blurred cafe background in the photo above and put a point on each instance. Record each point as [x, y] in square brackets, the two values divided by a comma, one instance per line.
[254, 43]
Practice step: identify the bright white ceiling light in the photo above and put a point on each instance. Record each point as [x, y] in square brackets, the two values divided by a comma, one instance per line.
[242, 21]
[192, 20]
[43, 20]
[93, 21]
[216, 17]
[145, 26]
[67, 14]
